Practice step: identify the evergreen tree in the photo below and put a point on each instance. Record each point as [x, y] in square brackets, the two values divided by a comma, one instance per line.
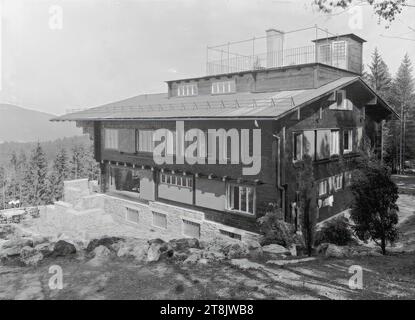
[378, 76]
[3, 184]
[58, 174]
[35, 180]
[77, 165]
[402, 98]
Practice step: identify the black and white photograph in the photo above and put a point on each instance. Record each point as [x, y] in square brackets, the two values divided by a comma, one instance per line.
[205, 156]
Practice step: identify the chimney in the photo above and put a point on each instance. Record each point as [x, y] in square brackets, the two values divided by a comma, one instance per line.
[275, 46]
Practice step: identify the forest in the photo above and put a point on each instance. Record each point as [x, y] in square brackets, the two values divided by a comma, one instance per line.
[33, 173]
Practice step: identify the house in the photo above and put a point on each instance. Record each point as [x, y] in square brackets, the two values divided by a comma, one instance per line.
[271, 109]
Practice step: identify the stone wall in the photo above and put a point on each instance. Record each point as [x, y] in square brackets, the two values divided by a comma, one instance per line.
[175, 215]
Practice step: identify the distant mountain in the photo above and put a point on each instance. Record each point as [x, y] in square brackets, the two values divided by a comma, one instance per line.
[24, 125]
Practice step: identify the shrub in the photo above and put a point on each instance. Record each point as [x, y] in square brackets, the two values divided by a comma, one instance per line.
[336, 231]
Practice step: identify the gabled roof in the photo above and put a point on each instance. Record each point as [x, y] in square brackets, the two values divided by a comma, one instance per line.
[244, 105]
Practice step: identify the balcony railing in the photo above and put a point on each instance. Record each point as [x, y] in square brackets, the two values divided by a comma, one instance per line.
[233, 62]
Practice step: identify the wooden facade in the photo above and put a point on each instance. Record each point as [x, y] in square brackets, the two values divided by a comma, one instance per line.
[306, 129]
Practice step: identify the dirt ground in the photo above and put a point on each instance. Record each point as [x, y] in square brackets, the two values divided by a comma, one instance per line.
[389, 277]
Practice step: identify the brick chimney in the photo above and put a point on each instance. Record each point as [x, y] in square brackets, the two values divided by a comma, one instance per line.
[275, 45]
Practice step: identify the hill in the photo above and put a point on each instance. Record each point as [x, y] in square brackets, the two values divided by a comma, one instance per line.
[24, 125]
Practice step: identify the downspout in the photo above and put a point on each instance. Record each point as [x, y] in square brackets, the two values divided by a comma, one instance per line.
[279, 186]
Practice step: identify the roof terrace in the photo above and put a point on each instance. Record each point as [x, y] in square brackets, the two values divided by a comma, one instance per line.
[286, 48]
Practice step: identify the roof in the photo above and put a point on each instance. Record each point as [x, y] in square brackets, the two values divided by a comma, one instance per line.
[350, 35]
[246, 105]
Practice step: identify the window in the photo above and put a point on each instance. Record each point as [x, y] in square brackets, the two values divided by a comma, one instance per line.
[359, 136]
[132, 215]
[322, 188]
[298, 146]
[339, 56]
[222, 87]
[111, 139]
[309, 144]
[176, 180]
[125, 179]
[241, 198]
[323, 144]
[334, 142]
[338, 182]
[324, 54]
[159, 220]
[347, 140]
[145, 141]
[231, 234]
[191, 229]
[341, 99]
[185, 90]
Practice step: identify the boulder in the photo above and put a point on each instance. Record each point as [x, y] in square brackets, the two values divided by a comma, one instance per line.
[275, 249]
[17, 242]
[101, 255]
[254, 248]
[191, 259]
[213, 255]
[166, 250]
[63, 248]
[153, 253]
[184, 244]
[131, 247]
[39, 240]
[30, 257]
[105, 241]
[334, 251]
[46, 249]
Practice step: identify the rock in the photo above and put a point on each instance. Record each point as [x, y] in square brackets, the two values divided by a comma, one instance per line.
[245, 264]
[292, 261]
[131, 247]
[183, 244]
[30, 257]
[102, 252]
[18, 242]
[8, 253]
[39, 240]
[193, 258]
[166, 251]
[101, 255]
[275, 249]
[334, 251]
[153, 253]
[254, 248]
[63, 248]
[105, 241]
[213, 255]
[202, 261]
[155, 241]
[293, 250]
[45, 249]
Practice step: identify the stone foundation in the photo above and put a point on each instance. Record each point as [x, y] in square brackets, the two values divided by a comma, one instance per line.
[78, 193]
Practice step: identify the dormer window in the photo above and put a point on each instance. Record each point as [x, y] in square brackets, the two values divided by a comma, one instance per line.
[187, 90]
[221, 87]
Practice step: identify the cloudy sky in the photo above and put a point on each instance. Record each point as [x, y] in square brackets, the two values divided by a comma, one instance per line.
[64, 54]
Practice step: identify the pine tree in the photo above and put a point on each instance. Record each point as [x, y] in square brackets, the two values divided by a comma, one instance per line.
[58, 174]
[76, 162]
[378, 76]
[35, 180]
[403, 100]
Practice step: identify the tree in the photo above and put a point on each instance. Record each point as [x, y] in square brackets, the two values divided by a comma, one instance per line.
[35, 179]
[374, 209]
[384, 9]
[58, 175]
[378, 76]
[307, 202]
[402, 98]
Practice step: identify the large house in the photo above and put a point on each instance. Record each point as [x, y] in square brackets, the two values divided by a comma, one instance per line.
[271, 113]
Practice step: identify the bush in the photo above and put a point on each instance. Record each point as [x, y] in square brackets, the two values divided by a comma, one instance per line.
[335, 231]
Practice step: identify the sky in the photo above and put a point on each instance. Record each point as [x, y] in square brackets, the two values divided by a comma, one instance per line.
[58, 55]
